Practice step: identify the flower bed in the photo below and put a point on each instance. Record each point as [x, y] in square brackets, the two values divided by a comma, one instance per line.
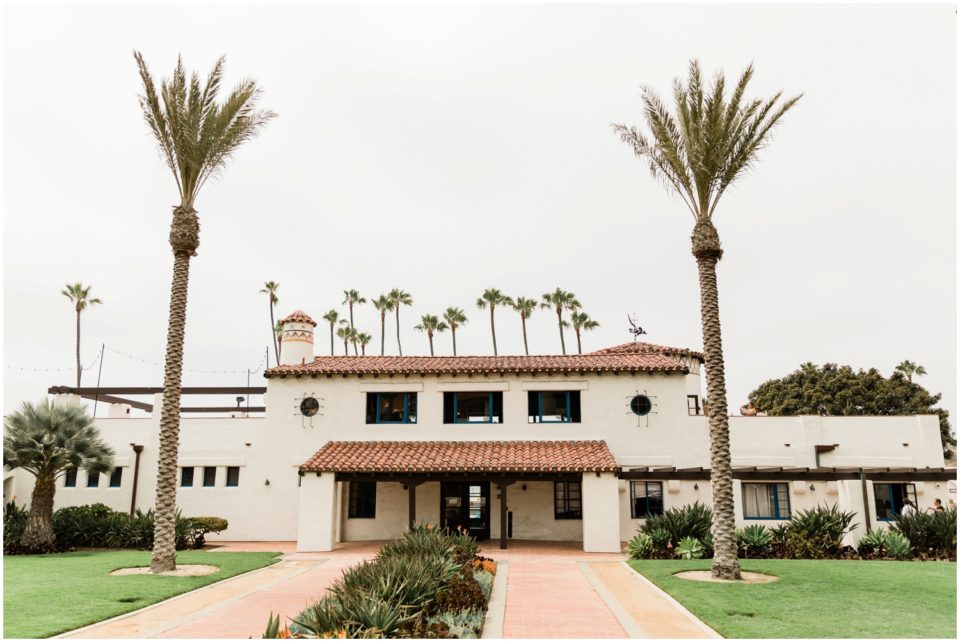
[428, 584]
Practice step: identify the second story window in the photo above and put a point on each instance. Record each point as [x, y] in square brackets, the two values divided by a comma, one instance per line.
[693, 405]
[70, 478]
[472, 407]
[391, 407]
[549, 407]
[116, 477]
[209, 476]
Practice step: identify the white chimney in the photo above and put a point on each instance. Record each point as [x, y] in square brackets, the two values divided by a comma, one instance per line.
[296, 345]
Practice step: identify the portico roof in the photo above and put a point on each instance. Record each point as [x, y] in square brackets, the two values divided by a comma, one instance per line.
[462, 456]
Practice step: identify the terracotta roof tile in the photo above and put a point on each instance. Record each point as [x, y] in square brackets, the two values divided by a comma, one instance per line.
[462, 456]
[301, 316]
[641, 362]
[639, 347]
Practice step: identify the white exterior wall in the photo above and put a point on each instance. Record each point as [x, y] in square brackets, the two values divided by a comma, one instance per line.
[272, 448]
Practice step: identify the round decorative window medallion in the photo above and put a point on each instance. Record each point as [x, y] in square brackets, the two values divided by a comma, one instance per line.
[309, 407]
[641, 405]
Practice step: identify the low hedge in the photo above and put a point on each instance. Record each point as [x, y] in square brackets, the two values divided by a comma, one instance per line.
[428, 584]
[99, 526]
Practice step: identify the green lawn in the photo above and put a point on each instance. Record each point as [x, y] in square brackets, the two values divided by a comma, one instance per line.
[44, 595]
[820, 598]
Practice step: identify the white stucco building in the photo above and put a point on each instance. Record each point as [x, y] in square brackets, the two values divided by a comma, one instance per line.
[569, 448]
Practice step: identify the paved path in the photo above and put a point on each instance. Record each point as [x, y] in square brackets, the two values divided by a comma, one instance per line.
[553, 590]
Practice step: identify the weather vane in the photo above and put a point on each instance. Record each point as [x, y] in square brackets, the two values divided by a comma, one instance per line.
[635, 330]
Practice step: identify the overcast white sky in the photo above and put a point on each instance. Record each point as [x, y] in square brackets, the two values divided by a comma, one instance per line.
[448, 149]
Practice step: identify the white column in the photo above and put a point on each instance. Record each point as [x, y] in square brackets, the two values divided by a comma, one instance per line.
[601, 513]
[318, 515]
[850, 499]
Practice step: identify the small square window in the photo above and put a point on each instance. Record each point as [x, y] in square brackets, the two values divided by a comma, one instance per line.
[646, 498]
[70, 478]
[551, 407]
[93, 480]
[766, 501]
[391, 408]
[186, 477]
[693, 405]
[116, 477]
[889, 499]
[567, 500]
[209, 476]
[233, 476]
[362, 501]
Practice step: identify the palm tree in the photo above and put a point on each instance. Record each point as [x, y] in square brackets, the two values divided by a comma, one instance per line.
[430, 324]
[909, 368]
[270, 288]
[80, 297]
[698, 152]
[490, 299]
[558, 301]
[454, 318]
[345, 332]
[399, 297]
[383, 304]
[332, 317]
[197, 136]
[47, 439]
[582, 322]
[525, 307]
[351, 298]
[363, 339]
[278, 333]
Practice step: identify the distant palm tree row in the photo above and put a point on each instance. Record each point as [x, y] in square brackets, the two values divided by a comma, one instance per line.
[453, 318]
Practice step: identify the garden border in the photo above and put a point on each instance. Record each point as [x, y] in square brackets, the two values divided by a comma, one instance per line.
[497, 605]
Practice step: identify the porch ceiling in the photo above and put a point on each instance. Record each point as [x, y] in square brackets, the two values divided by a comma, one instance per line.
[462, 457]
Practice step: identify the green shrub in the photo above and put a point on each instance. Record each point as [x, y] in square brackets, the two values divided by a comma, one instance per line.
[897, 546]
[693, 520]
[466, 624]
[463, 592]
[689, 548]
[930, 533]
[14, 523]
[817, 533]
[485, 580]
[640, 547]
[754, 541]
[872, 543]
[660, 537]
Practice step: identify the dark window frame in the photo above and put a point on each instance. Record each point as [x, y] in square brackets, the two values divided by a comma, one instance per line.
[695, 410]
[116, 478]
[362, 507]
[183, 476]
[213, 481]
[70, 478]
[896, 502]
[406, 408]
[573, 407]
[566, 506]
[235, 471]
[451, 406]
[774, 490]
[634, 484]
[93, 480]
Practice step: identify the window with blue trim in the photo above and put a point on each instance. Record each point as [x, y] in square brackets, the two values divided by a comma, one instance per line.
[766, 501]
[472, 407]
[553, 407]
[890, 498]
[70, 478]
[646, 498]
[391, 407]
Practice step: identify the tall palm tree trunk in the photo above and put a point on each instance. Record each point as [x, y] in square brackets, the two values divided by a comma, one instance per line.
[383, 333]
[399, 347]
[346, 349]
[38, 535]
[331, 338]
[430, 339]
[351, 327]
[493, 331]
[273, 332]
[164, 545]
[78, 349]
[706, 249]
[579, 349]
[523, 322]
[453, 333]
[563, 345]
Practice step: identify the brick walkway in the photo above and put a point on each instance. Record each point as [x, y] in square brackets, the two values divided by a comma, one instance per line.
[554, 590]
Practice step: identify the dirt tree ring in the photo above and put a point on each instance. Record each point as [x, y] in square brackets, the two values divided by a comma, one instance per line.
[746, 577]
[183, 570]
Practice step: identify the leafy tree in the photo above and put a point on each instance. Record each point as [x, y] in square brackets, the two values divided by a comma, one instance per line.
[454, 317]
[345, 332]
[364, 340]
[331, 317]
[582, 322]
[699, 151]
[831, 389]
[490, 299]
[197, 135]
[909, 368]
[383, 304]
[525, 307]
[46, 440]
[351, 298]
[430, 323]
[270, 288]
[558, 301]
[399, 297]
[80, 297]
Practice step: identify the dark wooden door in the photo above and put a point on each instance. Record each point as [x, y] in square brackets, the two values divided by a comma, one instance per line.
[466, 505]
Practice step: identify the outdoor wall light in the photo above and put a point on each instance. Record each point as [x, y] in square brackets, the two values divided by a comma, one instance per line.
[787, 445]
[812, 487]
[696, 486]
[523, 487]
[266, 482]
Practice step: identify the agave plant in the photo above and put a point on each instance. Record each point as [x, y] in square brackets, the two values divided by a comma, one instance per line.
[689, 548]
[754, 541]
[872, 543]
[897, 546]
[640, 546]
[693, 520]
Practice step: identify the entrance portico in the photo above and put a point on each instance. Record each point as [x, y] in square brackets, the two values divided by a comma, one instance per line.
[550, 490]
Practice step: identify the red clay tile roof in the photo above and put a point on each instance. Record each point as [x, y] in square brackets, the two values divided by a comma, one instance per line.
[301, 316]
[640, 347]
[462, 456]
[345, 365]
